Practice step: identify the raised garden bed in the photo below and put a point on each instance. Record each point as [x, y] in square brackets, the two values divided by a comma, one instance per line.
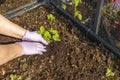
[73, 58]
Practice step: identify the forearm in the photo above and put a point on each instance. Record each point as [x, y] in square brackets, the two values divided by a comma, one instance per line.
[9, 52]
[10, 29]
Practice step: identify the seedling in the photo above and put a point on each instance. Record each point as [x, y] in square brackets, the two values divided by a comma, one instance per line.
[76, 12]
[64, 6]
[77, 2]
[50, 17]
[49, 35]
[12, 77]
[15, 77]
[54, 34]
[109, 73]
[78, 15]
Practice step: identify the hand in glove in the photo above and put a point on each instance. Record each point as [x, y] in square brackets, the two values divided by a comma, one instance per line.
[34, 36]
[30, 48]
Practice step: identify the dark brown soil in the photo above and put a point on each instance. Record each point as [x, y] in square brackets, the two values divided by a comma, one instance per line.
[73, 58]
[7, 5]
[113, 27]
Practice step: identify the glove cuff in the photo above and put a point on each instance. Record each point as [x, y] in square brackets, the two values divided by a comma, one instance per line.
[26, 35]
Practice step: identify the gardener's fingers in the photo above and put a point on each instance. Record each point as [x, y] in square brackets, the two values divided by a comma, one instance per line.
[41, 50]
[34, 36]
[41, 39]
[38, 37]
[30, 48]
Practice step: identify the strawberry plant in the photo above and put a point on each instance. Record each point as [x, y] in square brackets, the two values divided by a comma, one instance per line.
[49, 35]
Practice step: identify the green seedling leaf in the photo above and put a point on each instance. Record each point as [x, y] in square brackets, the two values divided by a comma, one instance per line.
[50, 34]
[109, 73]
[12, 77]
[64, 6]
[15, 77]
[76, 3]
[80, 1]
[56, 37]
[47, 36]
[19, 78]
[50, 17]
[52, 31]
[80, 16]
[76, 13]
[41, 30]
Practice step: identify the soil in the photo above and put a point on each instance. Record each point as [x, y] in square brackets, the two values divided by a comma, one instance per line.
[113, 27]
[85, 7]
[73, 58]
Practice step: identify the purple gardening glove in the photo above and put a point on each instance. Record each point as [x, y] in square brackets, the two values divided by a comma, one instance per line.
[34, 36]
[30, 48]
[116, 5]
